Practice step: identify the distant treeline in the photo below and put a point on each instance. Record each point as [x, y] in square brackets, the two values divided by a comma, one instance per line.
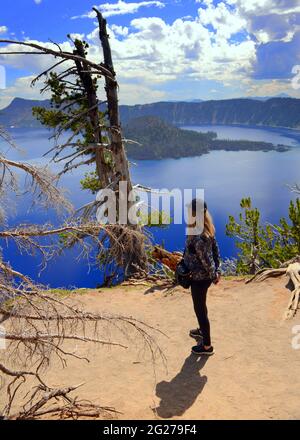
[236, 145]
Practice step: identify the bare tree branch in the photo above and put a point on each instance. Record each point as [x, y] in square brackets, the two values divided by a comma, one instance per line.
[60, 54]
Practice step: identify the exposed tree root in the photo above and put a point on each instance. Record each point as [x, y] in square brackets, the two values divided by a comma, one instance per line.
[169, 259]
[38, 324]
[292, 270]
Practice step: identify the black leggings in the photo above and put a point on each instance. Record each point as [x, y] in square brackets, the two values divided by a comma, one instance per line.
[199, 291]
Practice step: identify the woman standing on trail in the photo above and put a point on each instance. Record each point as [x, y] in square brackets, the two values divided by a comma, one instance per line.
[202, 258]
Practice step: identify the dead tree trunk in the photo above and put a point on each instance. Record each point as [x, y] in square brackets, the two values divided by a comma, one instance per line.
[111, 88]
[103, 170]
[137, 260]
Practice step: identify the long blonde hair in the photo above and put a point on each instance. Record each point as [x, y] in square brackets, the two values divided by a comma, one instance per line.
[203, 225]
[209, 228]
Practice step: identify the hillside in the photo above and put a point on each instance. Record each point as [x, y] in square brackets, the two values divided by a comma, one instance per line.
[19, 113]
[277, 112]
[158, 140]
[254, 373]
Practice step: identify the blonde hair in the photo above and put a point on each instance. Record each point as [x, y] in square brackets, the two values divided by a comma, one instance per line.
[209, 228]
[205, 226]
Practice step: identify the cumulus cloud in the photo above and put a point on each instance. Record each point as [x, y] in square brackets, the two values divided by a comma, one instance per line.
[275, 27]
[120, 30]
[32, 63]
[164, 51]
[270, 20]
[121, 8]
[262, 7]
[276, 59]
[3, 29]
[37, 1]
[130, 93]
[270, 88]
[224, 21]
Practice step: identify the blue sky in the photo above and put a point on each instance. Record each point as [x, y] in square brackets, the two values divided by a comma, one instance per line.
[166, 49]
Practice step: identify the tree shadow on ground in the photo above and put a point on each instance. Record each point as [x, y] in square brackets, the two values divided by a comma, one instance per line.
[181, 392]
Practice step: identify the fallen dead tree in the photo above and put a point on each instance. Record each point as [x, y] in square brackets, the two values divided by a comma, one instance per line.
[168, 259]
[37, 326]
[292, 270]
[160, 272]
[41, 327]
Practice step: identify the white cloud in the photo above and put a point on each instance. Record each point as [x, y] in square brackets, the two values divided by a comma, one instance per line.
[270, 88]
[21, 88]
[32, 63]
[75, 36]
[270, 20]
[3, 29]
[121, 8]
[142, 94]
[224, 21]
[262, 7]
[275, 27]
[37, 1]
[158, 52]
[120, 30]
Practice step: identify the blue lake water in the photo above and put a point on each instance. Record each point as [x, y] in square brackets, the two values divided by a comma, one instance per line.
[225, 176]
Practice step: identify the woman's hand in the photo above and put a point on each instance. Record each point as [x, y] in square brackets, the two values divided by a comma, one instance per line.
[217, 279]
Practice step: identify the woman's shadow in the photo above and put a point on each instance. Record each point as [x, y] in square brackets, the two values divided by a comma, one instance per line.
[181, 392]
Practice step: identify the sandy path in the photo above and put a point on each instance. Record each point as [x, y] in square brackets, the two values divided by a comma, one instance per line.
[254, 373]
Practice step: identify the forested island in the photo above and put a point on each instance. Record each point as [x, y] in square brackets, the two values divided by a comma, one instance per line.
[156, 139]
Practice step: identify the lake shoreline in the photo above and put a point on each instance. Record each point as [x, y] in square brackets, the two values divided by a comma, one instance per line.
[264, 127]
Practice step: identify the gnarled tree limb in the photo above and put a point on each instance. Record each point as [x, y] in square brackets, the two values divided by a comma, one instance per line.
[292, 270]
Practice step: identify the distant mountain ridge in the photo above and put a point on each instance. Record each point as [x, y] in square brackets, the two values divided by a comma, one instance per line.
[276, 112]
[19, 113]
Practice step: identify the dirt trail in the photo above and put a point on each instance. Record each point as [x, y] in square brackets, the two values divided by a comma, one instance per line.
[254, 373]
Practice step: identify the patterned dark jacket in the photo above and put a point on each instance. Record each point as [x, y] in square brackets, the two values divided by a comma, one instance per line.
[202, 257]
